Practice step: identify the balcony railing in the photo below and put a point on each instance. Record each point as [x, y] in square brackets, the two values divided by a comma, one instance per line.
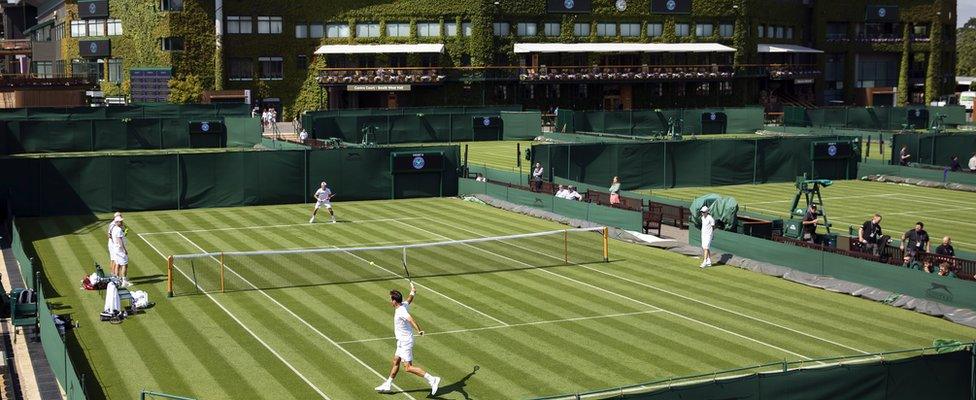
[876, 38]
[625, 73]
[34, 80]
[353, 76]
[15, 46]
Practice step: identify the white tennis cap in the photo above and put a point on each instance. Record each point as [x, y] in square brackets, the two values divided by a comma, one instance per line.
[118, 214]
[704, 209]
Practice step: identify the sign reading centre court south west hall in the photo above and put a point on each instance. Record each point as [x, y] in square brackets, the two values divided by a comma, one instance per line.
[378, 88]
[94, 48]
[569, 6]
[671, 6]
[92, 9]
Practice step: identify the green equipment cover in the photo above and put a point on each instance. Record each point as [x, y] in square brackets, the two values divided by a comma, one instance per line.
[725, 210]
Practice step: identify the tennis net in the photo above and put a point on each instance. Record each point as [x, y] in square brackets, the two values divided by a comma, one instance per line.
[270, 269]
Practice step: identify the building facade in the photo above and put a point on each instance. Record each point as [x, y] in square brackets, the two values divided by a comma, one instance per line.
[611, 54]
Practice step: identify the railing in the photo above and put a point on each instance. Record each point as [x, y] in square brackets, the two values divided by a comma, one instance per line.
[352, 76]
[27, 80]
[876, 38]
[15, 46]
[625, 73]
[893, 255]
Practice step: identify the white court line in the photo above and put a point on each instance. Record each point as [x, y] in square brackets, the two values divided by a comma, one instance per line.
[239, 228]
[918, 212]
[338, 245]
[246, 328]
[825, 199]
[303, 321]
[608, 291]
[486, 328]
[503, 323]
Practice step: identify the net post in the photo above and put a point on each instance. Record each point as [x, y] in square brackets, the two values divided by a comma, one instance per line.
[606, 244]
[169, 276]
[566, 245]
[221, 272]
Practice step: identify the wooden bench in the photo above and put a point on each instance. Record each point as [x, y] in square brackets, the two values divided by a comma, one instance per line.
[675, 215]
[630, 203]
[22, 314]
[652, 218]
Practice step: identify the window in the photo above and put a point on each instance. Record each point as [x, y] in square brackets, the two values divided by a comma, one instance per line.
[770, 31]
[725, 88]
[115, 70]
[302, 62]
[96, 27]
[316, 31]
[606, 29]
[341, 30]
[237, 24]
[761, 30]
[271, 68]
[114, 27]
[682, 30]
[552, 29]
[450, 29]
[920, 30]
[397, 29]
[655, 30]
[241, 69]
[43, 69]
[526, 29]
[269, 25]
[726, 30]
[630, 30]
[703, 30]
[171, 43]
[836, 30]
[429, 29]
[581, 30]
[500, 28]
[789, 33]
[367, 30]
[301, 31]
[780, 33]
[171, 5]
[466, 28]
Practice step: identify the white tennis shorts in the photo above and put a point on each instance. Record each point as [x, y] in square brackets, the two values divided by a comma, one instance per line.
[325, 204]
[120, 258]
[404, 350]
[706, 242]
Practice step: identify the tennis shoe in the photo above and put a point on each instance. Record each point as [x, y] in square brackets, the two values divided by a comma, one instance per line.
[312, 221]
[384, 388]
[434, 381]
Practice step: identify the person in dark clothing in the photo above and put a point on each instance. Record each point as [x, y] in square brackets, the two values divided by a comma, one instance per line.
[870, 235]
[903, 156]
[945, 249]
[954, 164]
[915, 242]
[810, 220]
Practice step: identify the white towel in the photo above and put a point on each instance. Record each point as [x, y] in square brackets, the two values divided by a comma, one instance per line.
[112, 301]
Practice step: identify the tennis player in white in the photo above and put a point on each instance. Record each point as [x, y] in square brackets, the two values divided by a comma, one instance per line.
[403, 328]
[707, 232]
[121, 255]
[111, 243]
[323, 198]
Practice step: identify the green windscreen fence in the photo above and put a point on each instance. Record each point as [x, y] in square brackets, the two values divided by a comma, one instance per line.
[934, 149]
[699, 162]
[521, 125]
[424, 128]
[876, 118]
[655, 122]
[80, 185]
[946, 375]
[918, 172]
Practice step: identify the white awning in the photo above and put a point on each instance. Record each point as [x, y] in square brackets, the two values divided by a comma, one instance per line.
[786, 48]
[380, 48]
[622, 48]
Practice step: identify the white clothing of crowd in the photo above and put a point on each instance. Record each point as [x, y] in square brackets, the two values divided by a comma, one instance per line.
[568, 193]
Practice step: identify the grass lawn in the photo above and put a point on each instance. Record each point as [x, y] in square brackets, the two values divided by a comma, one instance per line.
[503, 319]
[944, 212]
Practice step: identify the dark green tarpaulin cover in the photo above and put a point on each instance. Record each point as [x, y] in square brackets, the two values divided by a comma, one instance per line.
[725, 210]
[877, 118]
[650, 122]
[80, 185]
[934, 149]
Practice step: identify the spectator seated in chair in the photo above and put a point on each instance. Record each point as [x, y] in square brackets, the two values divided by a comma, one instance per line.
[480, 178]
[945, 249]
[574, 195]
[944, 270]
[562, 193]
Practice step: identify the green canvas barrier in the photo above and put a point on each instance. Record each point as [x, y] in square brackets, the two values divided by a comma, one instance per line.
[915, 283]
[876, 118]
[649, 122]
[81, 185]
[625, 219]
[402, 128]
[934, 149]
[149, 110]
[308, 118]
[693, 162]
[521, 125]
[243, 131]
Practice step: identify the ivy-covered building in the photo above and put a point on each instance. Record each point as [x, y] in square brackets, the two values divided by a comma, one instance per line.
[539, 53]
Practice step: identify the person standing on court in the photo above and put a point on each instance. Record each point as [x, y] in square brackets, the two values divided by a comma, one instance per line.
[972, 163]
[615, 191]
[707, 231]
[537, 177]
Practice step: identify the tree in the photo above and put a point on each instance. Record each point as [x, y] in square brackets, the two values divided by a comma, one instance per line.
[966, 49]
[186, 90]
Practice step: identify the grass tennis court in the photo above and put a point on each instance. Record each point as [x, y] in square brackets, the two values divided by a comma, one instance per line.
[523, 324]
[944, 212]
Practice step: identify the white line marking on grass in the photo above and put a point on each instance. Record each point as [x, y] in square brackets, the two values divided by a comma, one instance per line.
[487, 328]
[605, 290]
[940, 200]
[825, 199]
[239, 228]
[922, 214]
[246, 328]
[503, 323]
[302, 320]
